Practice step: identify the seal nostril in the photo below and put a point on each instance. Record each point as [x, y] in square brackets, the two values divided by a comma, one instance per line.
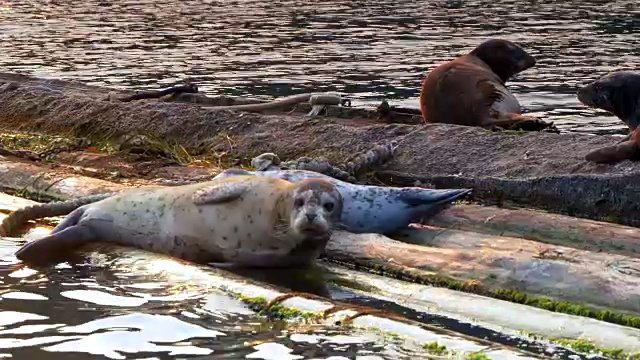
[310, 217]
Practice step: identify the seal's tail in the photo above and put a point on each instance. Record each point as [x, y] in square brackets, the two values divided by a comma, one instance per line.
[21, 216]
[56, 246]
[420, 196]
[432, 201]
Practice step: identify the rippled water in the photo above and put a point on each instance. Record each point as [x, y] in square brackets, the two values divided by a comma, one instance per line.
[110, 313]
[370, 49]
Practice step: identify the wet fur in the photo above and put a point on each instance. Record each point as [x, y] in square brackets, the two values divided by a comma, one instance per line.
[618, 93]
[470, 90]
[240, 221]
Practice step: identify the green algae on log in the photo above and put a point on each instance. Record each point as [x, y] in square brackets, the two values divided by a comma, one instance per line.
[537, 169]
[598, 285]
[496, 315]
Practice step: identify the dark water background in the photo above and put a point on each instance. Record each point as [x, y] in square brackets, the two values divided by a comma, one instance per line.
[369, 49]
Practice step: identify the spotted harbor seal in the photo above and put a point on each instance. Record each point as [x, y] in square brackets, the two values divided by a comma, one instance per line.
[368, 208]
[618, 93]
[243, 220]
[470, 90]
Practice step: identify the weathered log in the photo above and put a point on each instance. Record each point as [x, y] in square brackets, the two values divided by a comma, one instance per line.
[541, 226]
[500, 166]
[45, 183]
[502, 267]
[42, 183]
[607, 197]
[259, 298]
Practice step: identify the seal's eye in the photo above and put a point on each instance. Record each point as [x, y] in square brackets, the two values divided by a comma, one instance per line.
[328, 206]
[298, 203]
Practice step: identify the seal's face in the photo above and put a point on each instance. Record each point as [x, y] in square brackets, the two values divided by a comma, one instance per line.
[316, 208]
[504, 57]
[617, 93]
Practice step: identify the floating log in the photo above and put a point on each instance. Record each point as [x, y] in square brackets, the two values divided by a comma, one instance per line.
[491, 313]
[450, 304]
[500, 267]
[43, 183]
[541, 226]
[536, 169]
[46, 183]
[503, 267]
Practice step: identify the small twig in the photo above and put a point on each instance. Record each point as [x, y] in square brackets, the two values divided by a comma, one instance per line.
[175, 90]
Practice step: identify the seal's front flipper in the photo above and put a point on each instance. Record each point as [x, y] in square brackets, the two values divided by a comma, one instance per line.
[54, 247]
[223, 192]
[627, 150]
[513, 121]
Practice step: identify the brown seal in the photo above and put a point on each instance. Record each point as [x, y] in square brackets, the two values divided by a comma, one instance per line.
[470, 90]
[241, 220]
[618, 93]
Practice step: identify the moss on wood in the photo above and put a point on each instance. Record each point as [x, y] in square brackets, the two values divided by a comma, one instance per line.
[475, 287]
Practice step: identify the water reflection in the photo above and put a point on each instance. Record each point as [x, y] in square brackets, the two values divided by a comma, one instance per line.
[124, 311]
[368, 48]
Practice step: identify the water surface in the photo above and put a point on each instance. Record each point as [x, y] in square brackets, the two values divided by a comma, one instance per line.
[106, 312]
[369, 49]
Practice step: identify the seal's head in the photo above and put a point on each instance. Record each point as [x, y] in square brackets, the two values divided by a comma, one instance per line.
[618, 93]
[316, 206]
[308, 213]
[503, 57]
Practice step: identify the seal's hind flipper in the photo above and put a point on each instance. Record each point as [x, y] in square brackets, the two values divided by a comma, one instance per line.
[222, 192]
[419, 196]
[431, 201]
[38, 211]
[53, 248]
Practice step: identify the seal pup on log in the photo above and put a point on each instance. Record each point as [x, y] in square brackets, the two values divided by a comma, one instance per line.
[370, 208]
[470, 90]
[243, 220]
[618, 93]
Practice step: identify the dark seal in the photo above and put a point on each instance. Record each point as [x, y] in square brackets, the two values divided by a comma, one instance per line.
[470, 90]
[618, 93]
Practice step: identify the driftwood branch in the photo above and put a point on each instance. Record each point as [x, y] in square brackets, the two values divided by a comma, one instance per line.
[155, 94]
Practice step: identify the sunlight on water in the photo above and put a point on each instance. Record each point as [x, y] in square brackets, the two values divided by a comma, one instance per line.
[93, 312]
[370, 49]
